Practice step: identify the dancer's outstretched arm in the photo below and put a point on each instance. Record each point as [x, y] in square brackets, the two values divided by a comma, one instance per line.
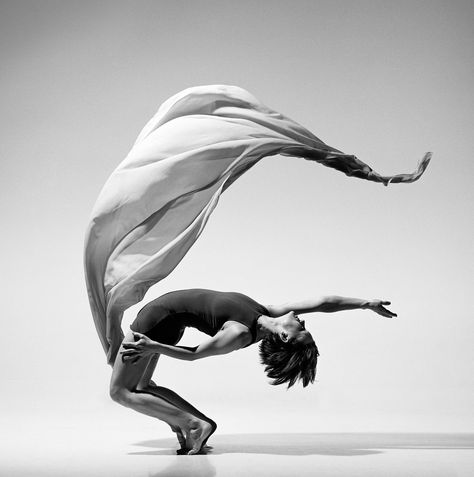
[226, 340]
[354, 167]
[331, 304]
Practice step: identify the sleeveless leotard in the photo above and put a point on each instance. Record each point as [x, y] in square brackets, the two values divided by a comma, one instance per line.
[165, 319]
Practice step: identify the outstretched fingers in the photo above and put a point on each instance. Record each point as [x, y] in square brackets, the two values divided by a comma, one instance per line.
[387, 313]
[381, 310]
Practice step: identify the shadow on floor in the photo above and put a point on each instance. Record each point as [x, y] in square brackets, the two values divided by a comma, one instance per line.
[333, 444]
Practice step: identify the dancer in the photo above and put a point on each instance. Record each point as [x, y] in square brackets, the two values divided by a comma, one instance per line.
[233, 320]
[151, 211]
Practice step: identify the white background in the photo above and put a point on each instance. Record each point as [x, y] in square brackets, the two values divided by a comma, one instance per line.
[386, 81]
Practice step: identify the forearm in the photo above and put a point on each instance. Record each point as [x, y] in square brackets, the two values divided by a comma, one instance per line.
[224, 341]
[327, 304]
[335, 303]
[179, 352]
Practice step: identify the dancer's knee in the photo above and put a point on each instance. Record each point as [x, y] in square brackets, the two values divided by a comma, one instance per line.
[120, 395]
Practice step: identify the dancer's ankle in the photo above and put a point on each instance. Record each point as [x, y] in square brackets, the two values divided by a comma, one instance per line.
[191, 422]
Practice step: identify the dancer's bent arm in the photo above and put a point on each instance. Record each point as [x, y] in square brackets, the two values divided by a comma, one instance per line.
[330, 304]
[226, 340]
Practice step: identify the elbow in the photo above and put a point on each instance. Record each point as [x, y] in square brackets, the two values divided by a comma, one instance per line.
[190, 353]
[330, 303]
[193, 356]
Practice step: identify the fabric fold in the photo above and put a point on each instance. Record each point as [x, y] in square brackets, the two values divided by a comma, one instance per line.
[156, 203]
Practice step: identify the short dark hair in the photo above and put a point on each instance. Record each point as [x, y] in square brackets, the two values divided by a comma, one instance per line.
[288, 361]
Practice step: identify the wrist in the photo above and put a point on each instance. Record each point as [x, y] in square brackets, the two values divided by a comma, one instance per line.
[155, 347]
[365, 304]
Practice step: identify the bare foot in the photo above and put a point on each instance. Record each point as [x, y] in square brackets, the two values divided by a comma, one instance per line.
[204, 447]
[198, 433]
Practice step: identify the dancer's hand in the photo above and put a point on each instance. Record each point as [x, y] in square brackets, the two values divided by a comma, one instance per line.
[143, 346]
[378, 307]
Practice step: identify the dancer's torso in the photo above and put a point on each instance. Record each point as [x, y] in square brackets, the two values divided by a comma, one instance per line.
[165, 318]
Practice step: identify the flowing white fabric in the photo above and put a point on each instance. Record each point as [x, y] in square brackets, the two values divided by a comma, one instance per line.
[156, 203]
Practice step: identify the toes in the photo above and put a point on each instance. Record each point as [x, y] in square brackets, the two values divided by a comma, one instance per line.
[194, 450]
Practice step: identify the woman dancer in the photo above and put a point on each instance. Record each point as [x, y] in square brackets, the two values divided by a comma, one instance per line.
[151, 211]
[233, 321]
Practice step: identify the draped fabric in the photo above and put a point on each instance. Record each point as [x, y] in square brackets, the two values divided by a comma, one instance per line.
[156, 203]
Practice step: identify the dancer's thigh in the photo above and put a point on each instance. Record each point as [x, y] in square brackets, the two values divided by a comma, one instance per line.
[148, 373]
[125, 374]
[172, 339]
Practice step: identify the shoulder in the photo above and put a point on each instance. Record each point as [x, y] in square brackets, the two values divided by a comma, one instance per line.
[237, 332]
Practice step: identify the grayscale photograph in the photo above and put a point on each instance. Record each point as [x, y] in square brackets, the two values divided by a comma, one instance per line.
[238, 238]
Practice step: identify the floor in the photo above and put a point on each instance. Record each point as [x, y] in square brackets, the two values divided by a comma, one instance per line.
[99, 449]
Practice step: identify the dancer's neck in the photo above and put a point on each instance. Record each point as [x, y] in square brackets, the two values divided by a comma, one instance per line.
[266, 325]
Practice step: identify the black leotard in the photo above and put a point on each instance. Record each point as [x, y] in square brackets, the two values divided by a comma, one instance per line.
[165, 318]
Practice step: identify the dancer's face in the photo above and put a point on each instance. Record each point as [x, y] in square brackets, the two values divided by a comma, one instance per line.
[294, 329]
